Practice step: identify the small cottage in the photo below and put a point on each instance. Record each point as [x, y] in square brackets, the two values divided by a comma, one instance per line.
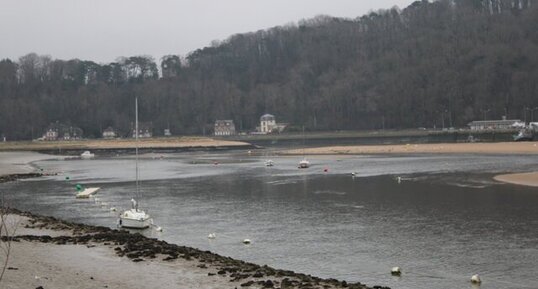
[59, 131]
[109, 133]
[224, 127]
[145, 130]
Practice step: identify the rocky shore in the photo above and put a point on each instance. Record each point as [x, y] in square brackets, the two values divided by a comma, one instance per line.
[220, 271]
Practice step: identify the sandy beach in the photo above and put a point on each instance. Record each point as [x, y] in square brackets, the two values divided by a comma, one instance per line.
[525, 179]
[440, 148]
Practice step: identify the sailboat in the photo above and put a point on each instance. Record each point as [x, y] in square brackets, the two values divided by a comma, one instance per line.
[304, 164]
[135, 217]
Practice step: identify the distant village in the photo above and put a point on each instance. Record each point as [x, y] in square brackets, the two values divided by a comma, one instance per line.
[267, 125]
[59, 131]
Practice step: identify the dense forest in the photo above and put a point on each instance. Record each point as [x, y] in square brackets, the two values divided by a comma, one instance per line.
[441, 63]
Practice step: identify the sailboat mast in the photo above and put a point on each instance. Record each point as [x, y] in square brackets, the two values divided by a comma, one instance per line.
[303, 142]
[136, 150]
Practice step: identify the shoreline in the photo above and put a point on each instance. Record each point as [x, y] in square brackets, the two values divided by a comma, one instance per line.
[53, 253]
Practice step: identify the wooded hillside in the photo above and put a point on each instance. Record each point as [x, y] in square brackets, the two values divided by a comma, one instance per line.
[431, 64]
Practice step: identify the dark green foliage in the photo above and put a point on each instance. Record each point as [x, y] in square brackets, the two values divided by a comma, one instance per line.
[431, 64]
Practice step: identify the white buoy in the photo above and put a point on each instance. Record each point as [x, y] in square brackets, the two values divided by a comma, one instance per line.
[212, 236]
[396, 271]
[475, 279]
[353, 174]
[159, 229]
[113, 209]
[399, 180]
[247, 241]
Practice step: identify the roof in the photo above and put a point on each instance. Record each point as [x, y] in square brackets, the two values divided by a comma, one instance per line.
[500, 121]
[267, 117]
[221, 121]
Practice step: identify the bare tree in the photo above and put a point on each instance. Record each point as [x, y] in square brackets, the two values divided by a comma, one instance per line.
[8, 226]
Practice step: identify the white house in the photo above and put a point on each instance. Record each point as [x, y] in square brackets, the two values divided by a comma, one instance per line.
[267, 123]
[493, 124]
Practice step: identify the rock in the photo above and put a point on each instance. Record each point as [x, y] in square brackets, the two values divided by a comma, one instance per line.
[268, 284]
[247, 284]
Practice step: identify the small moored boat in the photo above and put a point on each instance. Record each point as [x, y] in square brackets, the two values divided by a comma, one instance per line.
[86, 193]
[304, 164]
[87, 155]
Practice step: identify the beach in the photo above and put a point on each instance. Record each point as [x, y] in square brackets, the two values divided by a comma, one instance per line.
[525, 179]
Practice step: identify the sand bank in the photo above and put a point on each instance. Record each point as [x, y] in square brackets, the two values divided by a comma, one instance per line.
[115, 144]
[479, 148]
[55, 254]
[526, 179]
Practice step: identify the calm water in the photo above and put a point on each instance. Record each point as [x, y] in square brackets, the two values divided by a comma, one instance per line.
[444, 222]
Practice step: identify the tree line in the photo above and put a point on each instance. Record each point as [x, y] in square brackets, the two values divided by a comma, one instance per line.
[443, 63]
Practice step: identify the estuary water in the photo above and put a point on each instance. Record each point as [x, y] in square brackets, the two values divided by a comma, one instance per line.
[443, 221]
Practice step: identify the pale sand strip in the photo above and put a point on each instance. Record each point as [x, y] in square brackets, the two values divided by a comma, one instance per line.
[162, 143]
[526, 179]
[479, 148]
[77, 266]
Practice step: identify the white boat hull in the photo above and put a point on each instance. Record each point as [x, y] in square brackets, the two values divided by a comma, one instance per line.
[304, 164]
[135, 219]
[86, 193]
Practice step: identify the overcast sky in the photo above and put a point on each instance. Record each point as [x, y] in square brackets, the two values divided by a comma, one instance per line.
[102, 30]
